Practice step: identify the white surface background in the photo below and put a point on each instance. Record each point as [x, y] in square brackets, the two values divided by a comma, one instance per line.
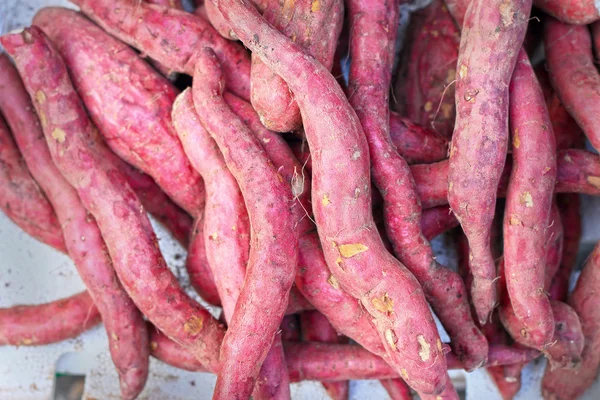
[31, 272]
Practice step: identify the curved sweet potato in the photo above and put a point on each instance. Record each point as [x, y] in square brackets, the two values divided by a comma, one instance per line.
[578, 12]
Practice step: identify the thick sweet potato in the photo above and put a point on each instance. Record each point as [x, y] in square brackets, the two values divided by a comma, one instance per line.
[566, 385]
[125, 327]
[171, 37]
[316, 27]
[342, 204]
[127, 100]
[216, 19]
[103, 189]
[573, 74]
[578, 12]
[479, 142]
[21, 199]
[36, 325]
[273, 248]
[528, 203]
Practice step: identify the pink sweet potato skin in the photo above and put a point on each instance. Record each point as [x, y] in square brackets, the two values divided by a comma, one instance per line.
[273, 248]
[125, 327]
[171, 37]
[342, 204]
[573, 74]
[167, 3]
[554, 246]
[47, 323]
[577, 12]
[570, 384]
[397, 389]
[431, 70]
[127, 100]
[578, 171]
[529, 202]
[21, 199]
[85, 163]
[480, 138]
[436, 221]
[315, 27]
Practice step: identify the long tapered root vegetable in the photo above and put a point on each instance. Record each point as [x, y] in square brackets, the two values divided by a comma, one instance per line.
[85, 163]
[341, 187]
[569, 209]
[40, 324]
[125, 327]
[273, 246]
[528, 202]
[573, 74]
[579, 12]
[127, 100]
[170, 36]
[314, 26]
[372, 38]
[21, 199]
[480, 138]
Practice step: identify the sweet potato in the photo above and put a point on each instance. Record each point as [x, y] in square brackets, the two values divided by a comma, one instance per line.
[21, 199]
[316, 28]
[529, 202]
[341, 185]
[372, 38]
[167, 3]
[573, 74]
[127, 100]
[171, 37]
[125, 327]
[436, 221]
[570, 384]
[507, 379]
[316, 328]
[480, 138]
[218, 22]
[36, 325]
[568, 205]
[578, 171]
[397, 389]
[431, 70]
[85, 163]
[273, 246]
[578, 12]
[554, 246]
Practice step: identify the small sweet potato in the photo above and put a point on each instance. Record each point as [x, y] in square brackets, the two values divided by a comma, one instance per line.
[36, 325]
[578, 12]
[171, 37]
[85, 163]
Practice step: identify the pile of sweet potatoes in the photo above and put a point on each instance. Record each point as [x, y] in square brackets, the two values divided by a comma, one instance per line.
[303, 195]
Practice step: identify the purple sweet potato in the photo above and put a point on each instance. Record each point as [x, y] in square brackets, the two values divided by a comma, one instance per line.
[125, 327]
[342, 204]
[313, 25]
[273, 248]
[578, 12]
[36, 325]
[21, 199]
[85, 163]
[480, 139]
[127, 100]
[573, 74]
[529, 202]
[171, 37]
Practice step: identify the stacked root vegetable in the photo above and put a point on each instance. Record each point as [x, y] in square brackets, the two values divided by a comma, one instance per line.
[306, 198]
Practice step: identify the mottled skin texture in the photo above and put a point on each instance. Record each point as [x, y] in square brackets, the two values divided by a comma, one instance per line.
[85, 163]
[568, 205]
[125, 327]
[170, 36]
[492, 34]
[273, 240]
[577, 12]
[566, 385]
[127, 100]
[573, 74]
[342, 205]
[220, 24]
[316, 328]
[431, 70]
[578, 171]
[36, 325]
[372, 38]
[226, 223]
[21, 199]
[313, 25]
[528, 203]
